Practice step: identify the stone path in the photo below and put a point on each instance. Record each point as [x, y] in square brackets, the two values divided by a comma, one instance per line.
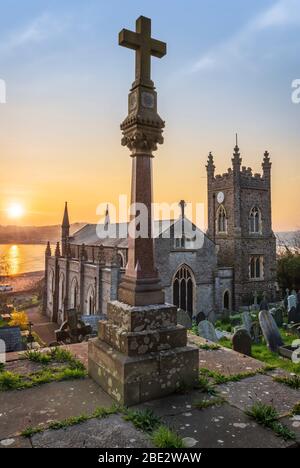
[41, 325]
[226, 425]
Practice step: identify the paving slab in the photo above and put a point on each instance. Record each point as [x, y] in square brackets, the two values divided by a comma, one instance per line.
[293, 423]
[222, 427]
[40, 405]
[262, 388]
[174, 404]
[112, 432]
[15, 442]
[224, 360]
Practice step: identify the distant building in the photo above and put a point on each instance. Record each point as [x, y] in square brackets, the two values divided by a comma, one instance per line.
[236, 262]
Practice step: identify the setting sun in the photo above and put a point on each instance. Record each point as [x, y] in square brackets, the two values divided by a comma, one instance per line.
[15, 211]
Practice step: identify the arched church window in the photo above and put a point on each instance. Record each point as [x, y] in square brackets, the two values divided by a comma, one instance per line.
[183, 290]
[91, 303]
[226, 300]
[120, 261]
[74, 294]
[255, 221]
[256, 267]
[221, 220]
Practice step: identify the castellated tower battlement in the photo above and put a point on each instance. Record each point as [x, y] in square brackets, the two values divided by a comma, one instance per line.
[240, 223]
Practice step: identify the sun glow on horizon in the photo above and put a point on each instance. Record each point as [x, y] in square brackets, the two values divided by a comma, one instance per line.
[15, 211]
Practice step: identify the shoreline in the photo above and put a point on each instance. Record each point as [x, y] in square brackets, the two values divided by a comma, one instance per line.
[23, 282]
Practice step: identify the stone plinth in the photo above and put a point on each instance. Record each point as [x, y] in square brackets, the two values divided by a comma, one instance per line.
[141, 353]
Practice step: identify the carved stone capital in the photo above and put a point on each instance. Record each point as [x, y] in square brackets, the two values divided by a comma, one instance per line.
[139, 140]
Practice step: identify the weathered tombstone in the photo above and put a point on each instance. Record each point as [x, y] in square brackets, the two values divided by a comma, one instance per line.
[264, 305]
[241, 342]
[292, 302]
[184, 319]
[270, 330]
[200, 317]
[247, 322]
[277, 314]
[212, 316]
[292, 315]
[93, 322]
[73, 330]
[12, 338]
[207, 330]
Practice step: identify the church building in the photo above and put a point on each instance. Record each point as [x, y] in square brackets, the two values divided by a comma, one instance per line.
[235, 263]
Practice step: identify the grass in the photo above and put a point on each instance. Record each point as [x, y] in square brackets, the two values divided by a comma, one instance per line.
[262, 353]
[143, 420]
[292, 382]
[209, 347]
[73, 369]
[205, 386]
[267, 416]
[296, 409]
[163, 437]
[203, 404]
[219, 378]
[99, 413]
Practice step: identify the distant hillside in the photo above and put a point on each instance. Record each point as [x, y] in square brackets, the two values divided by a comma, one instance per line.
[289, 238]
[33, 234]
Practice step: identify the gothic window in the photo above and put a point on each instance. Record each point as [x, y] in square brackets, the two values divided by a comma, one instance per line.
[121, 261]
[183, 290]
[91, 303]
[74, 294]
[256, 267]
[255, 221]
[61, 292]
[226, 300]
[221, 220]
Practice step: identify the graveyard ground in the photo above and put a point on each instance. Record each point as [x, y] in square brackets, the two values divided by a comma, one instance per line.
[69, 412]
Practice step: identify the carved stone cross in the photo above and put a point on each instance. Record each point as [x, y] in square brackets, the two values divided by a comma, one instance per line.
[145, 46]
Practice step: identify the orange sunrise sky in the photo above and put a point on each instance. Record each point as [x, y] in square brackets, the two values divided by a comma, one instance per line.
[67, 83]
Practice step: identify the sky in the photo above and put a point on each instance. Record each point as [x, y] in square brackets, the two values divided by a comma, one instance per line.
[229, 68]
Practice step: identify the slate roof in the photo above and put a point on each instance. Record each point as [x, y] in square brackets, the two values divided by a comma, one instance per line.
[95, 234]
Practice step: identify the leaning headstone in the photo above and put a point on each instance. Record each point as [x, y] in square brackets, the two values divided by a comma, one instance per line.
[241, 342]
[247, 322]
[184, 319]
[207, 330]
[270, 330]
[278, 316]
[200, 317]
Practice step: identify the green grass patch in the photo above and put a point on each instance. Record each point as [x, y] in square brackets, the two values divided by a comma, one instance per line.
[99, 413]
[296, 409]
[209, 347]
[163, 437]
[144, 420]
[219, 378]
[72, 369]
[292, 382]
[205, 386]
[203, 404]
[267, 416]
[262, 353]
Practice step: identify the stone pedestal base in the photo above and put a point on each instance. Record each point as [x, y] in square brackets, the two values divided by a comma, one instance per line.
[142, 354]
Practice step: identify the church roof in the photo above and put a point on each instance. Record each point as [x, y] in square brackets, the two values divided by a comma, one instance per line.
[115, 235]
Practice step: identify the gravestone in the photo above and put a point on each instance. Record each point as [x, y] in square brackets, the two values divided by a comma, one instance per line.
[241, 342]
[200, 317]
[270, 331]
[292, 315]
[277, 314]
[92, 321]
[297, 317]
[247, 322]
[73, 330]
[264, 305]
[184, 319]
[285, 300]
[292, 302]
[12, 338]
[207, 330]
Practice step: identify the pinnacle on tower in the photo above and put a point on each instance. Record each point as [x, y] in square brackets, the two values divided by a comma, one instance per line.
[66, 222]
[48, 250]
[57, 250]
[236, 160]
[210, 165]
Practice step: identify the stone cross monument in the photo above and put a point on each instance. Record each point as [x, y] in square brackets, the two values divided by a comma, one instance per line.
[141, 353]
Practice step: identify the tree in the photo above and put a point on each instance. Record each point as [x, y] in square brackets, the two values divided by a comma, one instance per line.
[288, 270]
[4, 268]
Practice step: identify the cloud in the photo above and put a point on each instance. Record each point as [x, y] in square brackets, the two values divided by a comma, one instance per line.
[39, 30]
[283, 13]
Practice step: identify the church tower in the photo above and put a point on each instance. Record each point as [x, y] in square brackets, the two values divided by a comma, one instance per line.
[65, 231]
[240, 223]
